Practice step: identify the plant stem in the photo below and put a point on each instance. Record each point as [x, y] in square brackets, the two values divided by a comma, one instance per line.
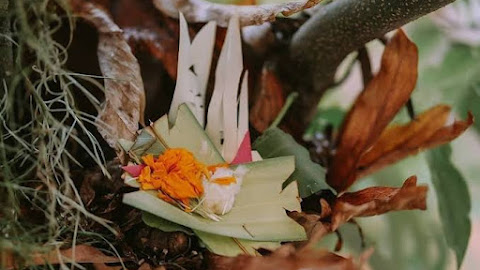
[290, 99]
[365, 64]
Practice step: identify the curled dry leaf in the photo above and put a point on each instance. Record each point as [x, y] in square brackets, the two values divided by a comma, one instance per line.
[364, 144]
[378, 200]
[287, 258]
[269, 102]
[79, 254]
[429, 129]
[204, 11]
[124, 94]
[382, 98]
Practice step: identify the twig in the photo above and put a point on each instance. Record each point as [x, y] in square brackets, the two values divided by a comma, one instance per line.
[360, 232]
[290, 99]
[365, 64]
[383, 40]
[410, 109]
[339, 244]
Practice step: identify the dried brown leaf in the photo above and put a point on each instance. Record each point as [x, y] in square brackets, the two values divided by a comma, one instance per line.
[269, 101]
[286, 258]
[204, 11]
[378, 200]
[428, 130]
[382, 98]
[146, 29]
[124, 93]
[79, 254]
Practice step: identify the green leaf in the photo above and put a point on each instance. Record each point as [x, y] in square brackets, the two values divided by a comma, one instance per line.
[259, 210]
[309, 175]
[163, 224]
[126, 144]
[145, 143]
[453, 200]
[228, 246]
[221, 245]
[187, 133]
[471, 101]
[325, 117]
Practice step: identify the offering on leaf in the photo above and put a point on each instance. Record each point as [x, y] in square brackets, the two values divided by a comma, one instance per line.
[205, 180]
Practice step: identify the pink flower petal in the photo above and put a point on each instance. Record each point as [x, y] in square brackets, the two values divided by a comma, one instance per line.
[134, 170]
[244, 152]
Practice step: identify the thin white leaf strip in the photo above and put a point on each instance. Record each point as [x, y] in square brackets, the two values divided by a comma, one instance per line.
[214, 127]
[186, 88]
[231, 76]
[201, 52]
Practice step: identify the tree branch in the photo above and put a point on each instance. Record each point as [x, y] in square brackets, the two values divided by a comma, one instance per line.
[337, 29]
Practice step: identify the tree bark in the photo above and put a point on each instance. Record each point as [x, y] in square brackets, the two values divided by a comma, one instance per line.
[337, 29]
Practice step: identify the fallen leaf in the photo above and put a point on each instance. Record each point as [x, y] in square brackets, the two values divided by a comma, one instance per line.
[124, 94]
[204, 11]
[373, 110]
[378, 200]
[454, 202]
[287, 258]
[269, 102]
[428, 130]
[145, 28]
[79, 254]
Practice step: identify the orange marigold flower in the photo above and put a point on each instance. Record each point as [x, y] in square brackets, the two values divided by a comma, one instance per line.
[176, 174]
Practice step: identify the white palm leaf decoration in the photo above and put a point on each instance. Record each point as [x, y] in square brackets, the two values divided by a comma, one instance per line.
[226, 124]
[222, 116]
[194, 60]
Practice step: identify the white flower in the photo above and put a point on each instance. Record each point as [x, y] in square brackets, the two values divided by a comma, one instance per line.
[219, 198]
